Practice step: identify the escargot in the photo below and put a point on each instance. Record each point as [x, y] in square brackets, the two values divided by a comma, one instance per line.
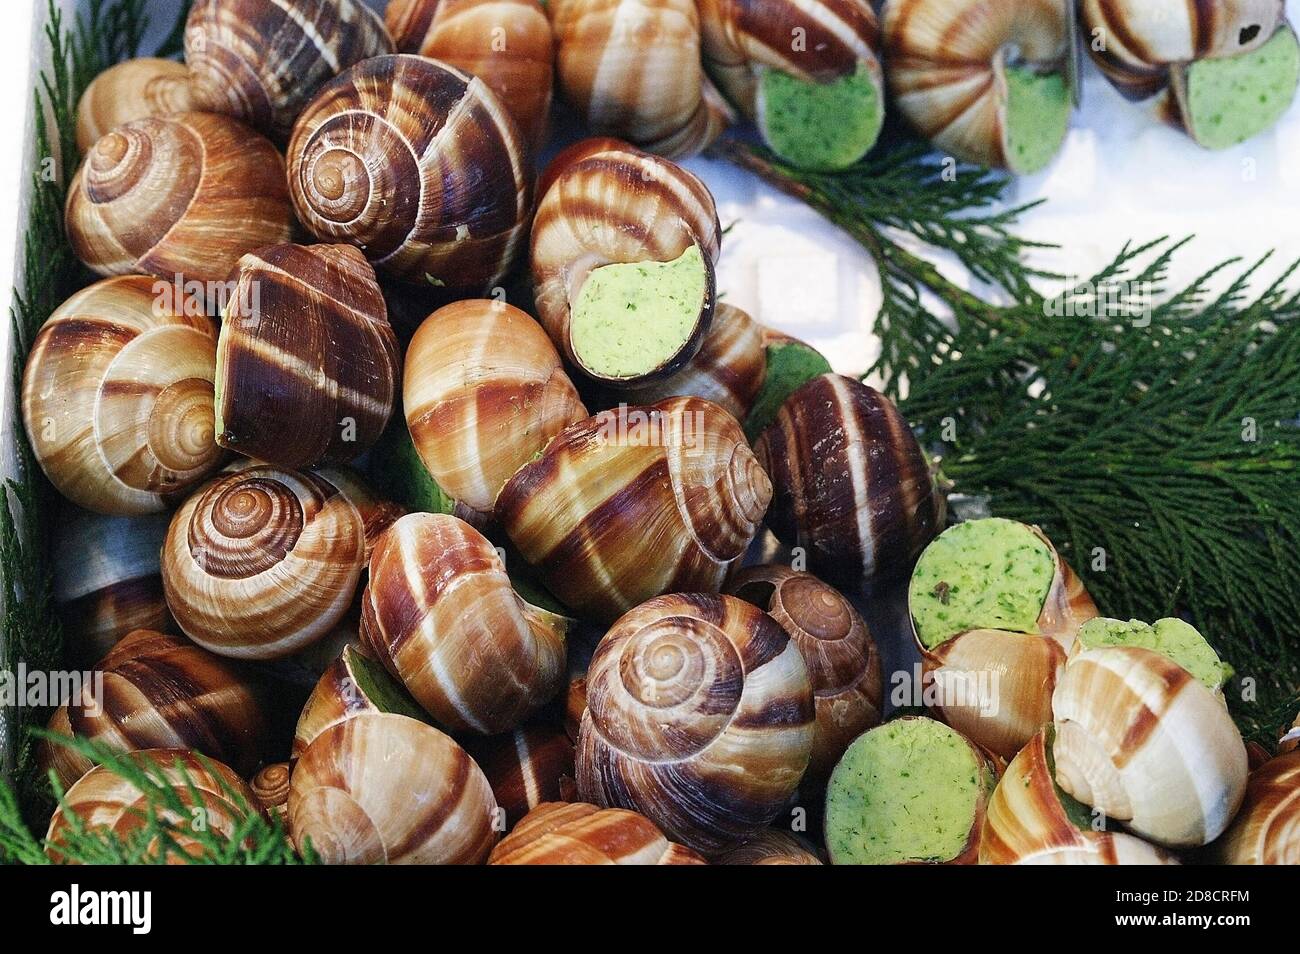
[807, 73]
[699, 716]
[851, 485]
[1267, 829]
[270, 786]
[508, 45]
[526, 767]
[262, 562]
[632, 69]
[1223, 72]
[420, 166]
[117, 398]
[485, 391]
[636, 502]
[441, 615]
[163, 692]
[131, 90]
[841, 655]
[307, 363]
[983, 80]
[1030, 821]
[105, 801]
[353, 683]
[558, 833]
[994, 611]
[351, 795]
[179, 197]
[261, 60]
[623, 253]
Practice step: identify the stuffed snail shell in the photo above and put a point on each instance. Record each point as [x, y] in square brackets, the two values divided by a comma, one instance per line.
[558, 833]
[352, 684]
[1267, 829]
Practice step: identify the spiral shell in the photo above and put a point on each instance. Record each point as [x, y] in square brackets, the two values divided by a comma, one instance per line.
[526, 767]
[420, 166]
[352, 684]
[1144, 742]
[104, 801]
[134, 89]
[162, 692]
[851, 485]
[557, 833]
[177, 196]
[608, 203]
[505, 43]
[1029, 822]
[1267, 829]
[108, 580]
[261, 60]
[387, 789]
[307, 363]
[632, 69]
[770, 847]
[117, 399]
[947, 64]
[837, 647]
[484, 392]
[263, 561]
[636, 502]
[699, 716]
[271, 788]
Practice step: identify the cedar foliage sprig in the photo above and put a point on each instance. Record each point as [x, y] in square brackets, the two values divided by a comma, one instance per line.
[1153, 432]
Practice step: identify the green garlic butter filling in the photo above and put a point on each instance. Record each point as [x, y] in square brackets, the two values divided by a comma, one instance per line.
[1172, 638]
[820, 126]
[1038, 117]
[1232, 99]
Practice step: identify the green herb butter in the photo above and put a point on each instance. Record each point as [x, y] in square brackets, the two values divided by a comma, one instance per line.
[1038, 117]
[1172, 638]
[379, 688]
[820, 125]
[1232, 99]
[790, 365]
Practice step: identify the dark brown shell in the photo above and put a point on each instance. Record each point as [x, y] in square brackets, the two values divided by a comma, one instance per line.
[526, 767]
[557, 833]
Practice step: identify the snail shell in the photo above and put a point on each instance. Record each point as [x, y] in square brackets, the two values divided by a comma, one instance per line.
[607, 203]
[770, 847]
[271, 789]
[632, 69]
[558, 833]
[104, 801]
[837, 647]
[177, 196]
[261, 60]
[380, 788]
[131, 90]
[526, 767]
[262, 562]
[1028, 822]
[420, 166]
[505, 43]
[699, 716]
[1267, 830]
[636, 502]
[117, 399]
[947, 63]
[352, 684]
[307, 363]
[162, 692]
[441, 615]
[1290, 738]
[484, 392]
[1144, 742]
[851, 485]
[108, 580]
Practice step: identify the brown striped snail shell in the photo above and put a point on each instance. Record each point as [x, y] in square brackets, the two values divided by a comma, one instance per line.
[262, 562]
[163, 692]
[261, 60]
[837, 647]
[699, 716]
[271, 788]
[507, 45]
[770, 847]
[608, 204]
[117, 398]
[131, 90]
[1143, 741]
[108, 580]
[484, 391]
[948, 63]
[632, 69]
[1267, 829]
[526, 767]
[560, 833]
[307, 363]
[1028, 822]
[1290, 738]
[420, 166]
[851, 485]
[382, 788]
[441, 615]
[636, 502]
[104, 801]
[183, 195]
